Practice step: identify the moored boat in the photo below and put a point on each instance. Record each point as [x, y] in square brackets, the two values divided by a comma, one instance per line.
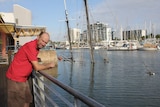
[123, 46]
[149, 45]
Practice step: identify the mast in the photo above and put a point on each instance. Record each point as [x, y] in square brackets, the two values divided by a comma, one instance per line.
[89, 33]
[69, 37]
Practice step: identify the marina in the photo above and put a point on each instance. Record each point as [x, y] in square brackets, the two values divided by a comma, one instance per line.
[122, 82]
[126, 80]
[98, 68]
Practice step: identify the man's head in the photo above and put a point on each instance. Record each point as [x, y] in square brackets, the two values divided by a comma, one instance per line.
[43, 38]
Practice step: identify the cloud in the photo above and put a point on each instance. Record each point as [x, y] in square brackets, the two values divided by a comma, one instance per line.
[127, 12]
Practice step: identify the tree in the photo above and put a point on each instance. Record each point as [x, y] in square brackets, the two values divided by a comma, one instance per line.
[157, 36]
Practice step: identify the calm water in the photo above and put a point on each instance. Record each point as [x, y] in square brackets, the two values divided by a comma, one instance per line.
[123, 82]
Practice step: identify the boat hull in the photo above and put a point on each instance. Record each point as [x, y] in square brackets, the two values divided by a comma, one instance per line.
[147, 49]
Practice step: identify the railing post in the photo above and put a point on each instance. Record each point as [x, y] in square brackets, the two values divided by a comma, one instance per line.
[41, 85]
[77, 102]
[34, 90]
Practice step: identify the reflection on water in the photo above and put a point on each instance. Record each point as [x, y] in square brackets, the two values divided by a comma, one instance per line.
[123, 82]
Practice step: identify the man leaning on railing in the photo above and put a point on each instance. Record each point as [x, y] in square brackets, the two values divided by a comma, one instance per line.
[25, 60]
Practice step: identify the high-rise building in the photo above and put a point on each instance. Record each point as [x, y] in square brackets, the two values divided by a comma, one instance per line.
[75, 35]
[99, 32]
[134, 34]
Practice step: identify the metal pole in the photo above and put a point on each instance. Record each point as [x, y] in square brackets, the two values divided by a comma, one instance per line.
[89, 33]
[69, 38]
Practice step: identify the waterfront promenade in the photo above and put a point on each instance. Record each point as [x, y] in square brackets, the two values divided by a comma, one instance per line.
[3, 86]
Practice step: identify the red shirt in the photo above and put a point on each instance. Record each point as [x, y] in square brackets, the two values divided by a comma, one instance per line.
[21, 66]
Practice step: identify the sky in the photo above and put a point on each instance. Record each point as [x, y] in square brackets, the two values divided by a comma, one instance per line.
[125, 14]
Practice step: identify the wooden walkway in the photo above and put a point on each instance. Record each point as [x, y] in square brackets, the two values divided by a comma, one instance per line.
[3, 85]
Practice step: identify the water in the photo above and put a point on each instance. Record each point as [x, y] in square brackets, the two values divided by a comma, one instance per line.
[123, 82]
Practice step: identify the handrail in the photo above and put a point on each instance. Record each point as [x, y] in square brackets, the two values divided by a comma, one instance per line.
[77, 95]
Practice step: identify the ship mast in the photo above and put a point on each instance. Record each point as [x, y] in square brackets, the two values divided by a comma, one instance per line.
[89, 33]
[68, 30]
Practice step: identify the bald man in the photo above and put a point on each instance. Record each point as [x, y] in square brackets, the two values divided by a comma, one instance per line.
[25, 60]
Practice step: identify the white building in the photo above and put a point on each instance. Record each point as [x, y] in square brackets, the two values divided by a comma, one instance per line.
[22, 15]
[8, 17]
[75, 35]
[16, 28]
[23, 20]
[99, 32]
[134, 34]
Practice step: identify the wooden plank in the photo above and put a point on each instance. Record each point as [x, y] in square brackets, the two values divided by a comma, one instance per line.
[3, 85]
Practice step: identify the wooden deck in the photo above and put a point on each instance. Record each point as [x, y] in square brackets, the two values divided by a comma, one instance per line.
[3, 85]
[4, 64]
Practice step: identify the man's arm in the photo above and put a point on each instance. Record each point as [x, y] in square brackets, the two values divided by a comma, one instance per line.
[39, 67]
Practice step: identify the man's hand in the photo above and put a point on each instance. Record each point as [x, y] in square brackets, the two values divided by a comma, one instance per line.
[60, 58]
[52, 64]
[39, 67]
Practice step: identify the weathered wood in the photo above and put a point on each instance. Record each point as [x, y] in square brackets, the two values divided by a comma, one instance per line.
[3, 85]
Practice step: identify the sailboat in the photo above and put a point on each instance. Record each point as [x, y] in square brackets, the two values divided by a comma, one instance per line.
[122, 46]
[149, 45]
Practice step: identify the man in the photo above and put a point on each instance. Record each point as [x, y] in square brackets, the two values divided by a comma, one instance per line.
[25, 60]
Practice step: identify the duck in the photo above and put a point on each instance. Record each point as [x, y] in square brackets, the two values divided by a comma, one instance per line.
[106, 60]
[151, 73]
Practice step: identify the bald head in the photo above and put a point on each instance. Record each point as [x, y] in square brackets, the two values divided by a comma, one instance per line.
[43, 38]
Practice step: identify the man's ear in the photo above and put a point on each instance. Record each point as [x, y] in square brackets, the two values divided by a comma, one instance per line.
[37, 36]
[39, 60]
